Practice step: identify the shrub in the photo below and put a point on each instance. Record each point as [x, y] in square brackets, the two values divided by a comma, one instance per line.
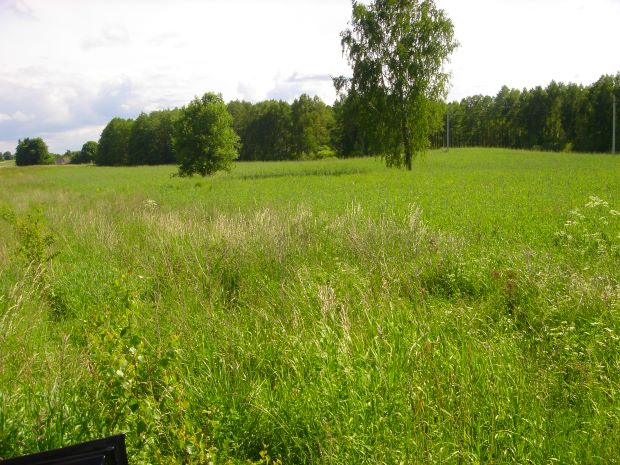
[32, 152]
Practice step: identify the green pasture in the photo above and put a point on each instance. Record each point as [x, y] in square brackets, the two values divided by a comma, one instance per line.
[334, 312]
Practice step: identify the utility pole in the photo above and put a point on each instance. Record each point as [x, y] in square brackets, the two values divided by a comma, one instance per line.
[613, 130]
[448, 131]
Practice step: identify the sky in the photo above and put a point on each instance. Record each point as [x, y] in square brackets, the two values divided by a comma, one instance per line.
[69, 66]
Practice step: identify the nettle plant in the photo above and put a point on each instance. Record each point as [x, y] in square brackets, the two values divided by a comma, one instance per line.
[593, 230]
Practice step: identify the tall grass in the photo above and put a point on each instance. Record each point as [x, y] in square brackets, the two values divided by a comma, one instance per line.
[330, 312]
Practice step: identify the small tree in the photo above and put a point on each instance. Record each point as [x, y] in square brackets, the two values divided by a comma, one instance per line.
[32, 152]
[397, 49]
[88, 154]
[204, 140]
[7, 155]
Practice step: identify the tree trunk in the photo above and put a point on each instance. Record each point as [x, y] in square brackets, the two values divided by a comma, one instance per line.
[406, 142]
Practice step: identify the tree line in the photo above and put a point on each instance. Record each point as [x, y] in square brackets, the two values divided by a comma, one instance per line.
[268, 130]
[393, 106]
[559, 117]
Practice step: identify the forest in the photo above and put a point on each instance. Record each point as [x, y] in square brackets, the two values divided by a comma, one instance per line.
[559, 117]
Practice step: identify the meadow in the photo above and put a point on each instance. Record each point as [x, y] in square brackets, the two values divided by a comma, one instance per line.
[332, 312]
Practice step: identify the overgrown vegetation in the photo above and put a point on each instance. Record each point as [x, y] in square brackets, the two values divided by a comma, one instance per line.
[333, 312]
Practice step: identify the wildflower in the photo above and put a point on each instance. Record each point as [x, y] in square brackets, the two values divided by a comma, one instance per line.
[577, 213]
[596, 202]
[150, 205]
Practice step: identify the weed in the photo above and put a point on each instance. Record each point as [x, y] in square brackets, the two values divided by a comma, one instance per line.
[336, 311]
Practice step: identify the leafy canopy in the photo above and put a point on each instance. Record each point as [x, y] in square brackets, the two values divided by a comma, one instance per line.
[32, 152]
[397, 50]
[204, 138]
[114, 143]
[88, 154]
[150, 142]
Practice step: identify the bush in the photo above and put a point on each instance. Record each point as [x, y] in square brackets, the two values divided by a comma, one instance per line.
[32, 152]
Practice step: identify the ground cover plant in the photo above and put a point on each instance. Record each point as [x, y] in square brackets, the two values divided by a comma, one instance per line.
[316, 312]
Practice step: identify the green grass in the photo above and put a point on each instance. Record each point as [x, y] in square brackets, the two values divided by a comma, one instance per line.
[333, 312]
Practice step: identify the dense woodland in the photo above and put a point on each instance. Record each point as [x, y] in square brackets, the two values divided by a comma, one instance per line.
[560, 117]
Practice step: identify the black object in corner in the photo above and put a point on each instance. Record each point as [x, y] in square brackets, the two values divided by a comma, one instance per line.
[108, 451]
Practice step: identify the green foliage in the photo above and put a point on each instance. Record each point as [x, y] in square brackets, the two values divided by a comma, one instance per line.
[354, 132]
[141, 386]
[287, 312]
[275, 130]
[559, 117]
[32, 152]
[397, 49]
[36, 249]
[266, 131]
[35, 239]
[88, 153]
[113, 147]
[204, 139]
[151, 139]
[7, 156]
[593, 230]
[67, 157]
[312, 124]
[325, 152]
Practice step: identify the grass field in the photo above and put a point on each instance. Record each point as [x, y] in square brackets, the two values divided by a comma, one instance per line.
[333, 312]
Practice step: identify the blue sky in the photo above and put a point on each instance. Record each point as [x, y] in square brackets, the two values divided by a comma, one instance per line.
[68, 66]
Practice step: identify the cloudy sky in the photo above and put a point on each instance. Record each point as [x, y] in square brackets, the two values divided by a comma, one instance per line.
[68, 66]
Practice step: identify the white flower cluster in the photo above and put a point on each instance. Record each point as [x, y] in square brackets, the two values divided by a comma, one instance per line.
[150, 205]
[594, 229]
[596, 202]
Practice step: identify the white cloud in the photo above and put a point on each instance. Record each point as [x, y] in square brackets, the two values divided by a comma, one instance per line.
[112, 35]
[247, 91]
[525, 43]
[296, 84]
[167, 39]
[21, 117]
[19, 8]
[81, 63]
[60, 141]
